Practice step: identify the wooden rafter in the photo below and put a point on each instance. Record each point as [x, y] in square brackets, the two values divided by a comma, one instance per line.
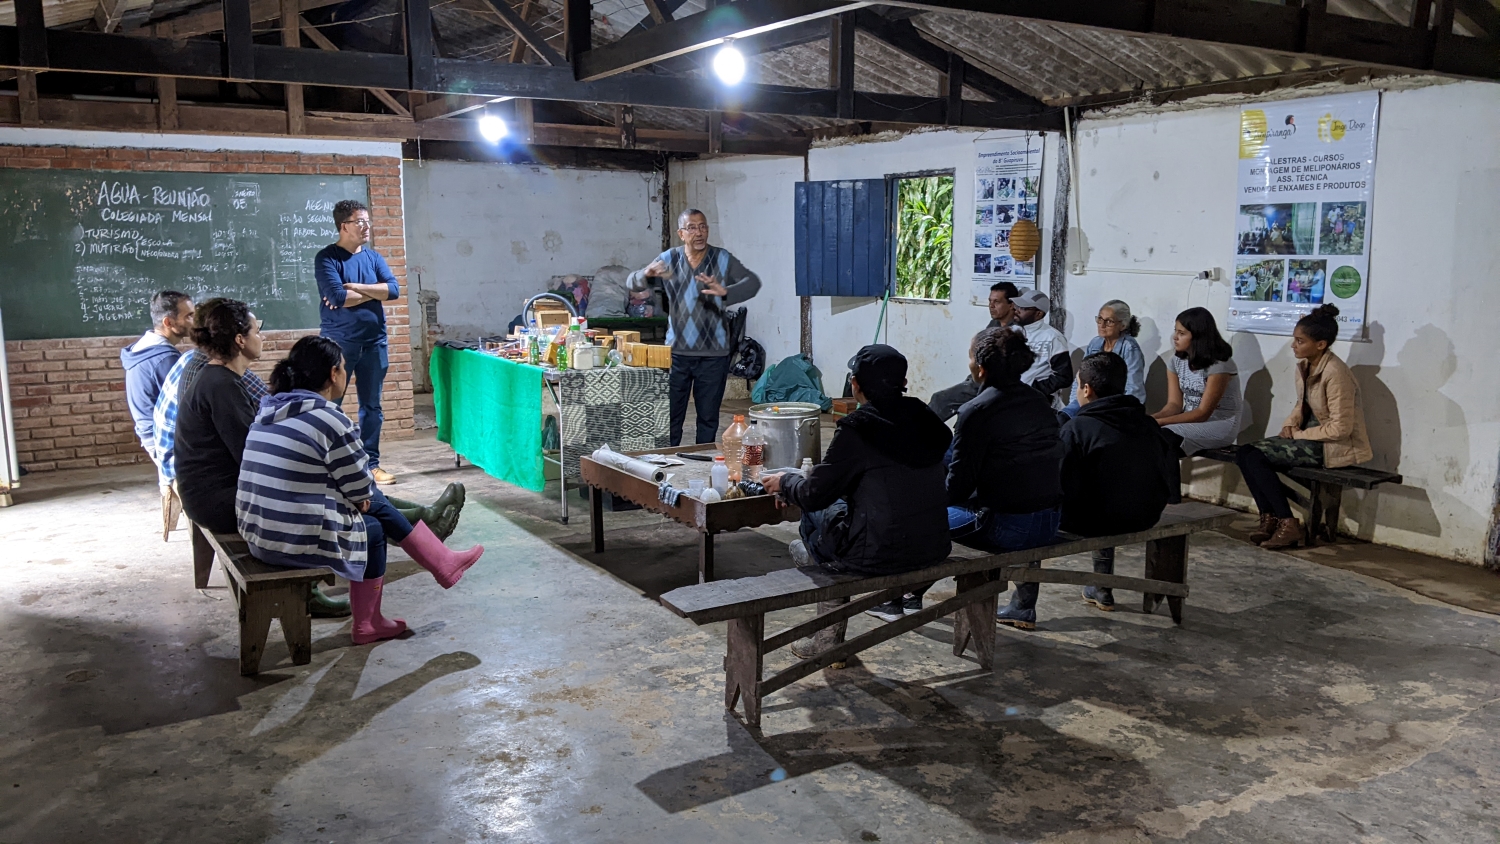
[317, 37]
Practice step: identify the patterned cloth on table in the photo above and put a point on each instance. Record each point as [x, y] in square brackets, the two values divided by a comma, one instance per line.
[625, 407]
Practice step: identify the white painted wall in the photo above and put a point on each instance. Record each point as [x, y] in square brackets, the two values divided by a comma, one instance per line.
[486, 236]
[754, 197]
[748, 202]
[1156, 195]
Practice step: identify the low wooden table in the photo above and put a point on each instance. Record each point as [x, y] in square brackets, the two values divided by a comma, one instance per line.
[707, 519]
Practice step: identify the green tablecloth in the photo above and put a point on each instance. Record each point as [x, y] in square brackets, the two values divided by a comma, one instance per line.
[490, 410]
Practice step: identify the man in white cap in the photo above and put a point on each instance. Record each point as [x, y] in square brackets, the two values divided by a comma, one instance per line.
[1053, 370]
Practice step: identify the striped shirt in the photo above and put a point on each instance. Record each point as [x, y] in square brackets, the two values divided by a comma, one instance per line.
[302, 478]
[164, 415]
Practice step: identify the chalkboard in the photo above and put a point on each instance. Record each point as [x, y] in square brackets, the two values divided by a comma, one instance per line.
[82, 251]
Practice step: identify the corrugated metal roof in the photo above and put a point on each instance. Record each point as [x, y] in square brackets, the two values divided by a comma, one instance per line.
[1056, 64]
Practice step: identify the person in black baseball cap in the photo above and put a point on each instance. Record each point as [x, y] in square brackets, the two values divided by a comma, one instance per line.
[877, 502]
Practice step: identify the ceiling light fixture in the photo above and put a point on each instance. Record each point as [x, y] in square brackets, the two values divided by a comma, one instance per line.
[492, 128]
[729, 64]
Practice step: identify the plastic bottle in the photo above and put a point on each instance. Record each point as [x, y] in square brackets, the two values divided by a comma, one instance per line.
[807, 465]
[753, 454]
[533, 349]
[718, 475]
[562, 355]
[730, 444]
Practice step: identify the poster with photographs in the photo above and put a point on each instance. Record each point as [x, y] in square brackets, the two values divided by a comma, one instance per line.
[1007, 181]
[1302, 233]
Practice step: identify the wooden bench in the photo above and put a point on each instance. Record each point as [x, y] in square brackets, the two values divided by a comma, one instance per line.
[1325, 491]
[981, 578]
[262, 593]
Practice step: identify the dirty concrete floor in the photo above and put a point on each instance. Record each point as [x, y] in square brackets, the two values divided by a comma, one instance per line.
[547, 699]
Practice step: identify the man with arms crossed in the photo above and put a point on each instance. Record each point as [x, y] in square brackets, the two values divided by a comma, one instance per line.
[699, 282]
[353, 281]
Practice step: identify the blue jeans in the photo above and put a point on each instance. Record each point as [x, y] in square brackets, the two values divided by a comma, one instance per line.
[383, 520]
[703, 378]
[997, 532]
[367, 364]
[812, 531]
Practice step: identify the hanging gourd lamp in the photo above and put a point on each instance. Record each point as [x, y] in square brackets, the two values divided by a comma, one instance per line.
[1025, 237]
[1025, 240]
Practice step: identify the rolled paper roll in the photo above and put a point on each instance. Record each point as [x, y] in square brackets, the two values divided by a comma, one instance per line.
[629, 465]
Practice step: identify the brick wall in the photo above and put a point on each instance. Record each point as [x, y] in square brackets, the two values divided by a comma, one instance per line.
[68, 394]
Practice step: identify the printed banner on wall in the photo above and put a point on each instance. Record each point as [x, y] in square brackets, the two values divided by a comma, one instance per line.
[1007, 186]
[1306, 185]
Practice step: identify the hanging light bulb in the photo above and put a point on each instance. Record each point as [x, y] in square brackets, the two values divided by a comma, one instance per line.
[729, 64]
[492, 128]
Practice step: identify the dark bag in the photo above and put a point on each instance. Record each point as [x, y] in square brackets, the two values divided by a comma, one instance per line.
[749, 360]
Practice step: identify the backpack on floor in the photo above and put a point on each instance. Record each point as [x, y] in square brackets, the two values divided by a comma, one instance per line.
[749, 360]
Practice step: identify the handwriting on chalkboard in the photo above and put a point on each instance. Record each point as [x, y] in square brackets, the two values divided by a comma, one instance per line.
[108, 241]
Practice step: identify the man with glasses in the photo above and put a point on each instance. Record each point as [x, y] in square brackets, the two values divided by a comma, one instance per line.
[700, 282]
[353, 281]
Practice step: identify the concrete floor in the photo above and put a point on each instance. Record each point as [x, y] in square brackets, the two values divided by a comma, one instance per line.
[547, 699]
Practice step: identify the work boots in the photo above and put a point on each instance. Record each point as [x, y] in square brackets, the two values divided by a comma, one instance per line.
[1288, 534]
[1267, 528]
[829, 637]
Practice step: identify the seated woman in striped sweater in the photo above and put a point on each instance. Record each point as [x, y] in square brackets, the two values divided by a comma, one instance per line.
[306, 498]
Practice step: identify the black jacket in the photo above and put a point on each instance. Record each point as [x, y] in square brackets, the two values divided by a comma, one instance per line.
[887, 465]
[214, 413]
[1006, 452]
[1119, 470]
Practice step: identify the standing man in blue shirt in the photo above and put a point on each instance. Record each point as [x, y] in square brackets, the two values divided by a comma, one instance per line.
[700, 282]
[353, 280]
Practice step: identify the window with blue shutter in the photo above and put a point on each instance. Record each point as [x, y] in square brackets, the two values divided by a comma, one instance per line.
[843, 238]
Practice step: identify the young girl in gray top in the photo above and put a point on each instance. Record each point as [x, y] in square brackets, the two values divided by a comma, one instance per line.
[1203, 385]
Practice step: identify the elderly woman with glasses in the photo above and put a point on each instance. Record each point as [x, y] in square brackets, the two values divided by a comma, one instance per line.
[1117, 333]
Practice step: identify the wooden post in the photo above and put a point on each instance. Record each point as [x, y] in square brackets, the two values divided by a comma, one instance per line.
[953, 89]
[743, 665]
[31, 108]
[705, 557]
[841, 63]
[625, 125]
[203, 557]
[716, 131]
[167, 119]
[255, 625]
[1166, 559]
[1057, 263]
[596, 518]
[296, 620]
[974, 624]
[525, 121]
[291, 36]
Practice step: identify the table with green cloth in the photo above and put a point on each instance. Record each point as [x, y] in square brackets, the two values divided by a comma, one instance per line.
[492, 411]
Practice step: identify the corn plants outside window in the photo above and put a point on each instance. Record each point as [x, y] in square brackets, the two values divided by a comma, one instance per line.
[924, 237]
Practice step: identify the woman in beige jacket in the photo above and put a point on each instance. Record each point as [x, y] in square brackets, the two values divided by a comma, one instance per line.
[1327, 428]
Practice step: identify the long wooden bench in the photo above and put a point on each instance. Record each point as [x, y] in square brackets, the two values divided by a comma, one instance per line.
[1325, 491]
[981, 578]
[262, 593]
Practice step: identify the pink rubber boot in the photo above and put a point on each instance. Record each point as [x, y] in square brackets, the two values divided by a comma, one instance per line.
[364, 605]
[447, 566]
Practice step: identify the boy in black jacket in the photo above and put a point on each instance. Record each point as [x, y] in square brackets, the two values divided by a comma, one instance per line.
[1118, 473]
[876, 504]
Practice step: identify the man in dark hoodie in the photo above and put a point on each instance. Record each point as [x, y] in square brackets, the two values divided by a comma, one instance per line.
[147, 361]
[1119, 471]
[875, 505]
